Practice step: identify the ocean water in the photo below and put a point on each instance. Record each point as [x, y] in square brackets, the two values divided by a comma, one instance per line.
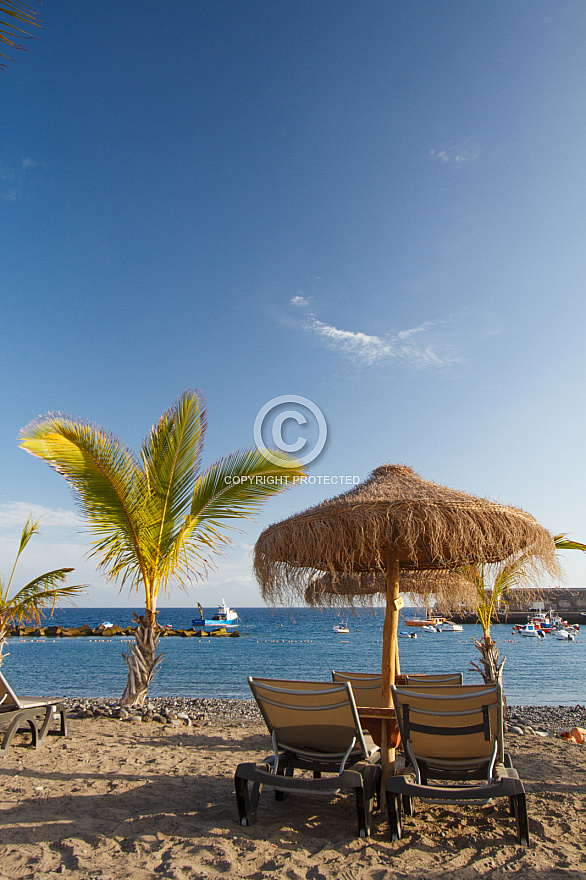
[294, 643]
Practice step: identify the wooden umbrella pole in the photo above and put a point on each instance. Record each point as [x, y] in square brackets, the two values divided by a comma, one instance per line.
[390, 660]
[391, 625]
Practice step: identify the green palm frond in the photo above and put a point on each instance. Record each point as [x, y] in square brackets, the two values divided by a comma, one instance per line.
[238, 484]
[157, 521]
[489, 598]
[171, 457]
[30, 603]
[31, 526]
[234, 487]
[108, 485]
[16, 13]
[42, 593]
[43, 585]
[562, 542]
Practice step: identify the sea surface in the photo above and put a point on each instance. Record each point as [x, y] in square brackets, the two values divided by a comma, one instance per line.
[286, 643]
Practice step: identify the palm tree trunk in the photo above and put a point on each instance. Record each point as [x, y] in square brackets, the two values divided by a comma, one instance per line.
[142, 661]
[490, 669]
[3, 632]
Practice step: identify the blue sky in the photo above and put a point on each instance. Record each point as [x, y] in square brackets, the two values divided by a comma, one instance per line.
[379, 207]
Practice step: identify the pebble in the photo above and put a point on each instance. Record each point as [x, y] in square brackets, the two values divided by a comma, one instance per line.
[544, 721]
[176, 711]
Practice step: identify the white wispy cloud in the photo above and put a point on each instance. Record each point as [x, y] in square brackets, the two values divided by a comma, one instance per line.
[457, 153]
[17, 513]
[299, 301]
[409, 345]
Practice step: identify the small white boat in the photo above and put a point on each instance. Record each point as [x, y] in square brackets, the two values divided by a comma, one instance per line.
[407, 635]
[532, 631]
[449, 627]
[429, 628]
[340, 628]
[565, 635]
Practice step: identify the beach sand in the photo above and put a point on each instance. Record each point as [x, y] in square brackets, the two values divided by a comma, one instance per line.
[116, 799]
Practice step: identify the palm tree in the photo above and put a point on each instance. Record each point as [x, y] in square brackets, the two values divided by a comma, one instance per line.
[487, 601]
[156, 521]
[18, 13]
[29, 603]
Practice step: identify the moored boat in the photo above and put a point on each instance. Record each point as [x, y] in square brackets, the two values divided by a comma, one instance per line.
[449, 626]
[430, 621]
[224, 616]
[546, 622]
[340, 628]
[565, 635]
[531, 631]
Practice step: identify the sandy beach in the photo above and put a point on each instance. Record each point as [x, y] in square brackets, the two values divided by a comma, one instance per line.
[115, 799]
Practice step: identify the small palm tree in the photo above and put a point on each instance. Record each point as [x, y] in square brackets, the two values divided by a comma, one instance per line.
[156, 520]
[31, 601]
[488, 601]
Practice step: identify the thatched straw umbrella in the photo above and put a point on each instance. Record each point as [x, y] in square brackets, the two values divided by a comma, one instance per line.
[392, 522]
[445, 588]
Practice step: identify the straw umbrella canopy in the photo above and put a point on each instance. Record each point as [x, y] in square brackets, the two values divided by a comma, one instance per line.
[394, 521]
[445, 588]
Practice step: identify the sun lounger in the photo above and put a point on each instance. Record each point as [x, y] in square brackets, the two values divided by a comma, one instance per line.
[37, 713]
[367, 686]
[315, 728]
[454, 752]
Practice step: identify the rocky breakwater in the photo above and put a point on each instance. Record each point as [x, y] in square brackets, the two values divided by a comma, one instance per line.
[61, 632]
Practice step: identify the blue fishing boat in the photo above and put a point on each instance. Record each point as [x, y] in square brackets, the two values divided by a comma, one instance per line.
[224, 617]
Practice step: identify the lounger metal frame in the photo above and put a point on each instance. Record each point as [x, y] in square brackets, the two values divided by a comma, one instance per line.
[455, 735]
[32, 714]
[314, 727]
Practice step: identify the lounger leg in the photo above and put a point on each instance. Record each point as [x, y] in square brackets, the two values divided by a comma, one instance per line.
[62, 724]
[45, 725]
[16, 725]
[34, 733]
[407, 805]
[246, 805]
[365, 798]
[522, 820]
[281, 795]
[394, 815]
[362, 812]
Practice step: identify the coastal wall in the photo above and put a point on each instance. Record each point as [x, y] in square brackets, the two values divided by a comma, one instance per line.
[568, 602]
